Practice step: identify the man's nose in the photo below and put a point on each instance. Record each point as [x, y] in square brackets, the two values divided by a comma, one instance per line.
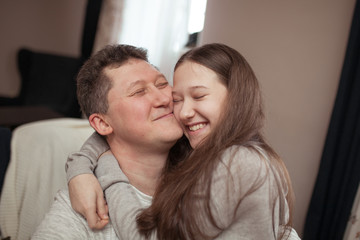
[161, 97]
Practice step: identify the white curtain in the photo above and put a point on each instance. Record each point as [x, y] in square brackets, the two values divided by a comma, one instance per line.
[353, 227]
[160, 26]
[109, 25]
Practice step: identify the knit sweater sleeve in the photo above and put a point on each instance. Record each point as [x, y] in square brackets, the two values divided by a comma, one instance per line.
[245, 200]
[85, 160]
[124, 205]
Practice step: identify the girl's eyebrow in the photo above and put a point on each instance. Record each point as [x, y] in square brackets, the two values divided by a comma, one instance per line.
[198, 86]
[193, 88]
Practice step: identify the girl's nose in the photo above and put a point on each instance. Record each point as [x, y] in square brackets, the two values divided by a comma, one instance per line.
[187, 110]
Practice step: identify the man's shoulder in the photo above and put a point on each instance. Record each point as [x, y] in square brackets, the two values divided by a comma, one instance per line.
[64, 222]
[63, 196]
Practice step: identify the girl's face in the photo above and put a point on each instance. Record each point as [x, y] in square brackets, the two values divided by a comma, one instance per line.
[198, 96]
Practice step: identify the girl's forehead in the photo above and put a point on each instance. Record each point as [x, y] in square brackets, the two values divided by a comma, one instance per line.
[193, 71]
[193, 77]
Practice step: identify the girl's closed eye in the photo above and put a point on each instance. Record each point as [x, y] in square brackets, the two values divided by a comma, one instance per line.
[199, 97]
[175, 100]
[176, 97]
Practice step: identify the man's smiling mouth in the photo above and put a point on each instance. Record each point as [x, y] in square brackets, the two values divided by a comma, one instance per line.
[164, 116]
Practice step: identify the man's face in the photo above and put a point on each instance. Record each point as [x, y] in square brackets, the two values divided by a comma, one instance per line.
[140, 107]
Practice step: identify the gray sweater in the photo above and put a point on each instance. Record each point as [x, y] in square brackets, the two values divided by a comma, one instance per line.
[259, 215]
[62, 222]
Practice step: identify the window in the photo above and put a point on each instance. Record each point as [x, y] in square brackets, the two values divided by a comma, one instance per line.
[163, 27]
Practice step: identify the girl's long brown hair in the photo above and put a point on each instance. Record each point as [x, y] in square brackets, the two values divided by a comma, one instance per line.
[173, 212]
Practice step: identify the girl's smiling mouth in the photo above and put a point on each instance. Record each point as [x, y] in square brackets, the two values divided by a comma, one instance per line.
[196, 126]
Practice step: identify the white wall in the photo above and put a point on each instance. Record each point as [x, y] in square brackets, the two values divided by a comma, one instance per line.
[42, 25]
[296, 48]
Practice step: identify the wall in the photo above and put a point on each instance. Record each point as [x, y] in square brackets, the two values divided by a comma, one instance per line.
[296, 48]
[42, 25]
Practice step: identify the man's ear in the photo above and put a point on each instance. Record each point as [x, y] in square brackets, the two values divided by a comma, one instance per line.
[99, 123]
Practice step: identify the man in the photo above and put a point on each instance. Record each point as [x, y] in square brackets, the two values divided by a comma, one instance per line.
[128, 102]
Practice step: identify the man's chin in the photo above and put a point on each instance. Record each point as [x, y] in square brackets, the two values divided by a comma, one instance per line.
[174, 137]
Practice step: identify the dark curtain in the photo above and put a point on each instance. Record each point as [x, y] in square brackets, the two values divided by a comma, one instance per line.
[5, 138]
[339, 173]
[93, 10]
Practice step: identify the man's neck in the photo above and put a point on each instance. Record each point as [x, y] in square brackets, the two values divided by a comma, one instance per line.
[143, 168]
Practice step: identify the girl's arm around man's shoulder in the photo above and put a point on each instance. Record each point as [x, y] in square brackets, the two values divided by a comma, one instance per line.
[85, 160]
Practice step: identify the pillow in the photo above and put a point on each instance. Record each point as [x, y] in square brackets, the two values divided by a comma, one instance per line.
[49, 80]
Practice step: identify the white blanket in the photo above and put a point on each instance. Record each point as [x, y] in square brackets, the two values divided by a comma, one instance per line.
[36, 172]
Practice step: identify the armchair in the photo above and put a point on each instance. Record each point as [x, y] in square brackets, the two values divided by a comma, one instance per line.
[36, 171]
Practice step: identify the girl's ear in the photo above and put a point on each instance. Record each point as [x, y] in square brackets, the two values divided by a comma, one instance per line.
[99, 123]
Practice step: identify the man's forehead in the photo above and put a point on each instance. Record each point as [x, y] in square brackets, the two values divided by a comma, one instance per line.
[132, 72]
[125, 64]
[129, 67]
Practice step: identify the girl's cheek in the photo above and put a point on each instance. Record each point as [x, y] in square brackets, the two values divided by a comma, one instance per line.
[176, 113]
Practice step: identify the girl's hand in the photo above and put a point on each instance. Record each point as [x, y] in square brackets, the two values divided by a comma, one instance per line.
[87, 198]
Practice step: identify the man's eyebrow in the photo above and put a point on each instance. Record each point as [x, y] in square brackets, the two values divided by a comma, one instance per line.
[160, 75]
[133, 84]
[141, 81]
